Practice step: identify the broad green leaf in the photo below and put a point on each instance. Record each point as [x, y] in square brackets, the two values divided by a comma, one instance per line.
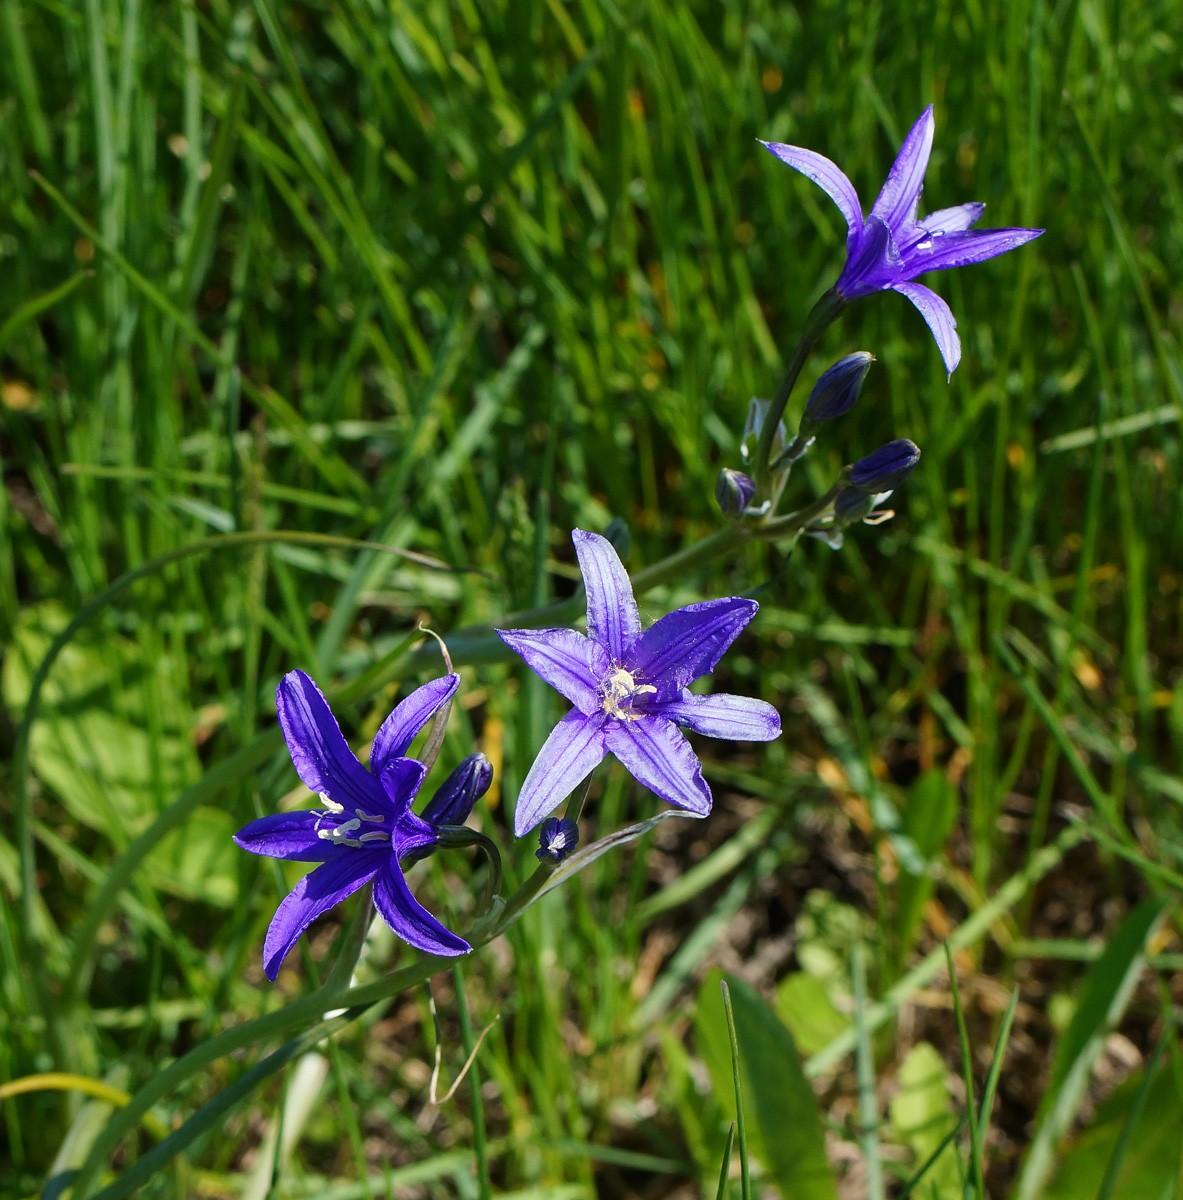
[804, 1002]
[921, 1116]
[113, 754]
[784, 1127]
[1152, 1157]
[1107, 989]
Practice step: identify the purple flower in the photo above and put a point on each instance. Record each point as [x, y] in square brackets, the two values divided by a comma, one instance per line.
[366, 830]
[630, 692]
[890, 248]
[556, 839]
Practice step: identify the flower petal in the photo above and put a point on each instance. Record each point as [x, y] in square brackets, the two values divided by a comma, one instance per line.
[409, 919]
[574, 748]
[571, 663]
[900, 195]
[401, 780]
[873, 265]
[612, 617]
[687, 643]
[739, 718]
[290, 835]
[320, 753]
[940, 320]
[953, 220]
[410, 715]
[962, 249]
[658, 755]
[828, 176]
[316, 893]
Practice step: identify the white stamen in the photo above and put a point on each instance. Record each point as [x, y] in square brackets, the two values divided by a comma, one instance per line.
[339, 834]
[375, 836]
[373, 818]
[331, 805]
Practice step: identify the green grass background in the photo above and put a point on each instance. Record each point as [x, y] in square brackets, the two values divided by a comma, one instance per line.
[456, 279]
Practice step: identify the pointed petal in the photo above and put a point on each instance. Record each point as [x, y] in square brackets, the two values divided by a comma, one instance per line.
[410, 715]
[401, 780]
[658, 755]
[409, 919]
[901, 193]
[289, 835]
[739, 718]
[874, 265]
[940, 320]
[574, 748]
[962, 249]
[687, 643]
[320, 753]
[612, 617]
[571, 663]
[316, 893]
[827, 175]
[953, 220]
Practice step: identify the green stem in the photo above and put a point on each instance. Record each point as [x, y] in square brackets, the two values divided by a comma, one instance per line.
[311, 1008]
[474, 1089]
[794, 522]
[457, 836]
[821, 317]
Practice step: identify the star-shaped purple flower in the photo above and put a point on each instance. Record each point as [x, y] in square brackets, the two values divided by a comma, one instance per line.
[890, 247]
[366, 830]
[629, 689]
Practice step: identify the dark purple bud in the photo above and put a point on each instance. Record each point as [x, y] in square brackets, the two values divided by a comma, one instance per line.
[455, 797]
[556, 839]
[734, 491]
[883, 470]
[835, 393]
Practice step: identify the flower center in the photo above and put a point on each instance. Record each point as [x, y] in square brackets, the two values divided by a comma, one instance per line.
[619, 689]
[350, 833]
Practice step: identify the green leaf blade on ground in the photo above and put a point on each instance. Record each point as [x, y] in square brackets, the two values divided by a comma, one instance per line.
[784, 1125]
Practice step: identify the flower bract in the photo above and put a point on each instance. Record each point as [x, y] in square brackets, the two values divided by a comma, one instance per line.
[366, 830]
[630, 690]
[890, 247]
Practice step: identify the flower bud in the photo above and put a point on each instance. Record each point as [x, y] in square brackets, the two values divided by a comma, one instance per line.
[734, 491]
[836, 391]
[556, 839]
[883, 470]
[851, 505]
[455, 797]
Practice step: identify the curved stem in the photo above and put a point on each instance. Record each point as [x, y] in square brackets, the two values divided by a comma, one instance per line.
[821, 317]
[456, 836]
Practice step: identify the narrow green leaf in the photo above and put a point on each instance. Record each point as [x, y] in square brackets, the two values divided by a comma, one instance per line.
[785, 1129]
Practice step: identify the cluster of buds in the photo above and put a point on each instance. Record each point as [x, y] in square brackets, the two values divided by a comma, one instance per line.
[886, 250]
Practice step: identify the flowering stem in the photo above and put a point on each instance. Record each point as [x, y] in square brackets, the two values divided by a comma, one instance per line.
[574, 809]
[794, 522]
[821, 317]
[678, 564]
[452, 836]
